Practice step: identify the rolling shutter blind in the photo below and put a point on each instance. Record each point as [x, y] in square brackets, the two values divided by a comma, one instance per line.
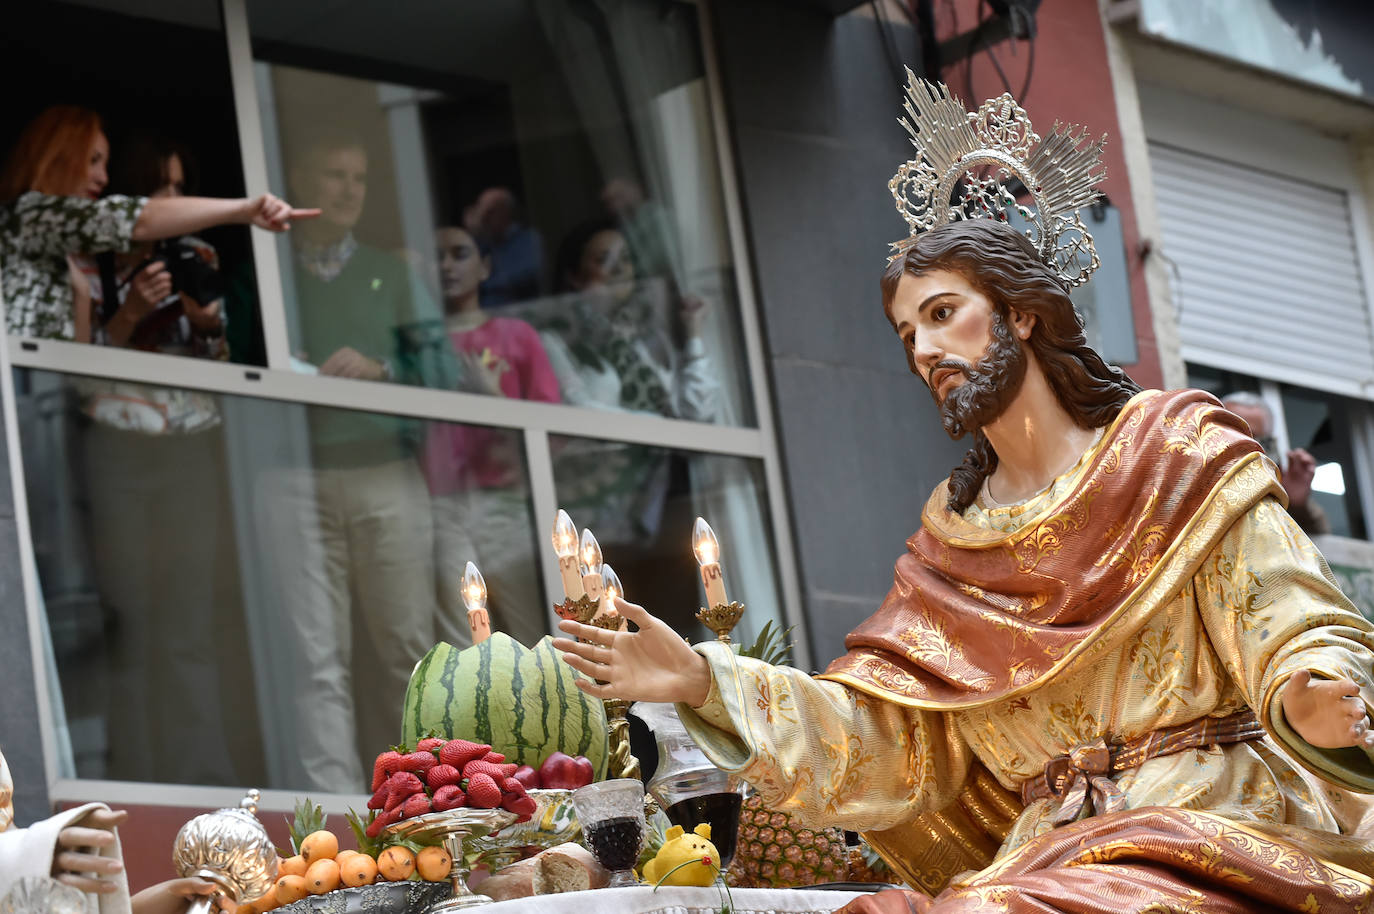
[1268, 282]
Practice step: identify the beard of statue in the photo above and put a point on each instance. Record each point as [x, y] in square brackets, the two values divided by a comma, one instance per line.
[990, 383]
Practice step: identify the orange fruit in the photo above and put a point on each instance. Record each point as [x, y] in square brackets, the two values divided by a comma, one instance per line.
[396, 864]
[323, 876]
[291, 866]
[358, 869]
[434, 864]
[290, 889]
[247, 907]
[319, 845]
[341, 856]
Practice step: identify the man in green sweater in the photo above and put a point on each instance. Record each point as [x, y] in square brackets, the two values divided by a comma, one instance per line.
[353, 533]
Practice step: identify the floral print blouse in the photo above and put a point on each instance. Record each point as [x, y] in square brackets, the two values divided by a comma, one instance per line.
[37, 233]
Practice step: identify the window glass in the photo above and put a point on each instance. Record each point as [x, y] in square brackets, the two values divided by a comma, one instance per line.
[642, 503]
[156, 75]
[239, 596]
[520, 199]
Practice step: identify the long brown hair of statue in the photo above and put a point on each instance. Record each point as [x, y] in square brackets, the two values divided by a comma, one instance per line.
[1003, 265]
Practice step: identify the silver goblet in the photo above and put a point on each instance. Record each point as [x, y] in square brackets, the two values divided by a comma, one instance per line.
[452, 827]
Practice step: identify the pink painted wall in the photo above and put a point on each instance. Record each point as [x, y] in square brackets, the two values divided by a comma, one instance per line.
[1071, 82]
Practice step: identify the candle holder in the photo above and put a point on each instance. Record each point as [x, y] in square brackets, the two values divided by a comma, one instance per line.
[452, 827]
[579, 609]
[721, 618]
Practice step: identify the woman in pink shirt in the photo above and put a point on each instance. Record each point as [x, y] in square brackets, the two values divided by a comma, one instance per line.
[476, 474]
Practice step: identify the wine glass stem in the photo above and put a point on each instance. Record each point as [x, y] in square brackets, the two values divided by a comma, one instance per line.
[622, 878]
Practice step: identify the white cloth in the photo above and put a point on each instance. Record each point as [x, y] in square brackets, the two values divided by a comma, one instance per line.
[678, 900]
[26, 859]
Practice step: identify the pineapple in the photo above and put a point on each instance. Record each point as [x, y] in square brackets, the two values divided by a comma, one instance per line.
[309, 818]
[774, 849]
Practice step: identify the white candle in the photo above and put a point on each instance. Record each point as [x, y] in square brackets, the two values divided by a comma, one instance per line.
[707, 550]
[565, 545]
[475, 598]
[591, 565]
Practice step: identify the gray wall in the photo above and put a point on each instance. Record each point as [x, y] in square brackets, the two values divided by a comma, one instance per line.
[19, 732]
[813, 103]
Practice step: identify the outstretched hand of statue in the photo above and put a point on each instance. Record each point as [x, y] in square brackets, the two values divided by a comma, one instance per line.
[1327, 713]
[650, 664]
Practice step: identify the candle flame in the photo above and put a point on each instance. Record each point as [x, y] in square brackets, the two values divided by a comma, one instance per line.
[611, 582]
[564, 535]
[704, 543]
[474, 588]
[591, 551]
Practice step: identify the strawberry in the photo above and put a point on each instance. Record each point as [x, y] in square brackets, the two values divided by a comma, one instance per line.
[522, 806]
[382, 821]
[449, 796]
[494, 756]
[387, 764]
[511, 785]
[378, 800]
[402, 785]
[429, 744]
[416, 805]
[483, 792]
[498, 772]
[419, 762]
[458, 752]
[440, 775]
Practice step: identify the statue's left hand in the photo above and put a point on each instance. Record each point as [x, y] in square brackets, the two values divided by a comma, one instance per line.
[1327, 713]
[175, 896]
[74, 865]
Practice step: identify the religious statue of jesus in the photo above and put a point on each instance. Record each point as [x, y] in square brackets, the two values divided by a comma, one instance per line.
[1112, 674]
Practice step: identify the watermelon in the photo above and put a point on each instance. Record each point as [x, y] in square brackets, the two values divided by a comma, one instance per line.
[520, 700]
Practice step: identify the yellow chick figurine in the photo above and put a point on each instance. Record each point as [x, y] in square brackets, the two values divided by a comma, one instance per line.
[684, 848]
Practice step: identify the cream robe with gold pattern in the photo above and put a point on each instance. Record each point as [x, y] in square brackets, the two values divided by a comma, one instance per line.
[1261, 606]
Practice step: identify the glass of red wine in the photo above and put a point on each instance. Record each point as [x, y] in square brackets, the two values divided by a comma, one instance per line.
[612, 818]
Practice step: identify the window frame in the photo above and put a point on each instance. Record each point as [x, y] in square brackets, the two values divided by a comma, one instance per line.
[277, 381]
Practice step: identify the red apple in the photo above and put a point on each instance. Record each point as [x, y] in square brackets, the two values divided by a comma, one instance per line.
[585, 772]
[529, 777]
[559, 771]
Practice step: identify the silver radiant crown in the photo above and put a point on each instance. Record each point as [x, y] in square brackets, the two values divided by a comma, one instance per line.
[966, 162]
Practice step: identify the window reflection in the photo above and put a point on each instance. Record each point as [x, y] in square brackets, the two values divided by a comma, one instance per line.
[579, 163]
[242, 599]
[642, 502]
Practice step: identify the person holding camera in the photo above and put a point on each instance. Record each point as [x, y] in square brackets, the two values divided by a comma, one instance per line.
[165, 296]
[52, 211]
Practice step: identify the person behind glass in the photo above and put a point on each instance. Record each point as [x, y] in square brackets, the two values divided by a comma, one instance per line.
[351, 535]
[156, 287]
[612, 347]
[51, 211]
[1298, 466]
[162, 563]
[516, 249]
[476, 473]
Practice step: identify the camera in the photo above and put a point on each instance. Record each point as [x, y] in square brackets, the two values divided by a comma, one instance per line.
[190, 273]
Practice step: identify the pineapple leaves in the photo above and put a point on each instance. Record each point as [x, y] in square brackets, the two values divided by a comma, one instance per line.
[771, 646]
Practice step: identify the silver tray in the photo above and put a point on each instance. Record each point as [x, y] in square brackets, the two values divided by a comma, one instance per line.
[379, 898]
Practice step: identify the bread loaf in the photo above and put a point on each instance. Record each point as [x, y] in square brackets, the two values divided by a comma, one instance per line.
[571, 868]
[519, 880]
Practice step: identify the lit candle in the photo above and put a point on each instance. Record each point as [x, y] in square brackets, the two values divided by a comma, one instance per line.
[565, 545]
[475, 598]
[591, 565]
[707, 549]
[610, 584]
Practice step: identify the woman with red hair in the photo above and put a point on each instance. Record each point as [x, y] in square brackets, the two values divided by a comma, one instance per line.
[51, 210]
